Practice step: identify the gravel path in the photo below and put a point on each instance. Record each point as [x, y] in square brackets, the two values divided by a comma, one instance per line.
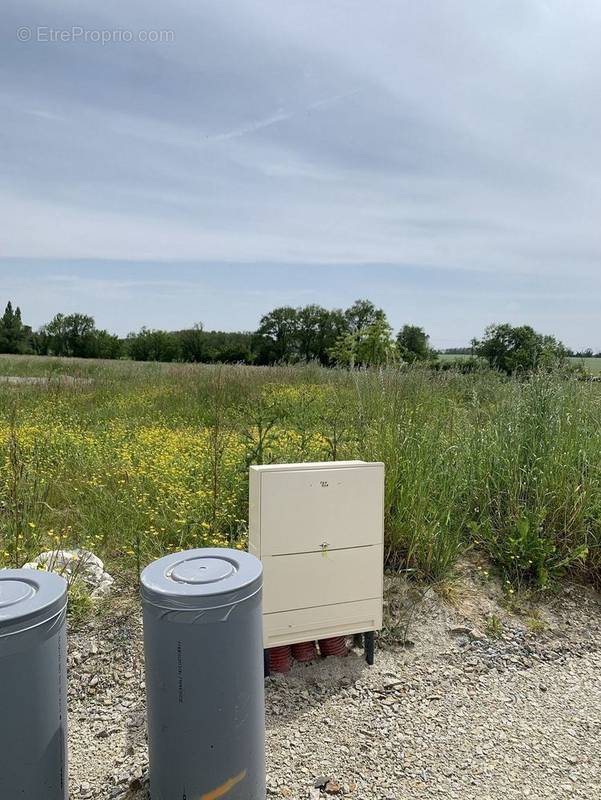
[407, 732]
[458, 715]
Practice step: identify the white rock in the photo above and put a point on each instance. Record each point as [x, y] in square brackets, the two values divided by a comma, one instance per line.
[75, 565]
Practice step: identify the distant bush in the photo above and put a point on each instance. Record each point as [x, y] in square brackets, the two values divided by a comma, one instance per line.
[463, 365]
[519, 349]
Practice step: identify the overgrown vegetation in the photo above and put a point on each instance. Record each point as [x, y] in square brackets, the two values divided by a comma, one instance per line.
[139, 459]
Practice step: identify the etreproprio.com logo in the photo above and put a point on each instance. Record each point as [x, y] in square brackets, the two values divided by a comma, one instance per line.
[77, 33]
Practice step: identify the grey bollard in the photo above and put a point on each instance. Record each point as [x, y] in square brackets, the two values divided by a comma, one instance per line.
[33, 685]
[203, 642]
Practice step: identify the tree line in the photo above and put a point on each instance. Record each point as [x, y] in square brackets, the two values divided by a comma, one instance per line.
[358, 336]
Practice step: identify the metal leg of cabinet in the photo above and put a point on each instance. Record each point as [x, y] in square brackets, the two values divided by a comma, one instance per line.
[369, 638]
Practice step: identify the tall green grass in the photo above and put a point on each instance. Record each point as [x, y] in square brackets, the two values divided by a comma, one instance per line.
[511, 467]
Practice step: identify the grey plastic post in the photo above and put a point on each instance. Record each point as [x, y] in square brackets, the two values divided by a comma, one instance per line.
[33, 686]
[203, 643]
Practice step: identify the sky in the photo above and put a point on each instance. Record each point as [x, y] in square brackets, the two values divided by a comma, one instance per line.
[211, 160]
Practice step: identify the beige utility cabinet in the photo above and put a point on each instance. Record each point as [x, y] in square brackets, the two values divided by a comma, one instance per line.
[318, 528]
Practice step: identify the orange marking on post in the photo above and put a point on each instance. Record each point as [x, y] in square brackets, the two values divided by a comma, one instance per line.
[220, 791]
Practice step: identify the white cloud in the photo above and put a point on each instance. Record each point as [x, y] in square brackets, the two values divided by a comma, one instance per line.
[439, 134]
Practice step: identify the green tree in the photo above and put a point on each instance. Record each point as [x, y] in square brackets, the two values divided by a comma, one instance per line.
[310, 321]
[40, 342]
[220, 347]
[153, 345]
[371, 345]
[313, 333]
[75, 335]
[14, 336]
[193, 343]
[277, 336]
[413, 344]
[519, 349]
[344, 350]
[362, 314]
[317, 331]
[376, 345]
[105, 345]
[71, 335]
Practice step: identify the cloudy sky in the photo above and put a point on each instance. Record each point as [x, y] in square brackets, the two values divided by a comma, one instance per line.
[441, 158]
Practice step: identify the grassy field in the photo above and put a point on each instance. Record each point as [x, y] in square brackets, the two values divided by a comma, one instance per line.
[135, 460]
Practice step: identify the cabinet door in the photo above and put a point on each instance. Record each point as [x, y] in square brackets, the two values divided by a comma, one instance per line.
[308, 580]
[311, 510]
[306, 624]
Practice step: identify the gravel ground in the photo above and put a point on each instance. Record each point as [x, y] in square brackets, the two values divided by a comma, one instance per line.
[456, 715]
